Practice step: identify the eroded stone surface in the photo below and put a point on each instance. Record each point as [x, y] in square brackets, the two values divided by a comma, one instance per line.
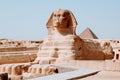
[63, 43]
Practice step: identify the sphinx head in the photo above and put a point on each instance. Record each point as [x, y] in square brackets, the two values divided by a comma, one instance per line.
[62, 19]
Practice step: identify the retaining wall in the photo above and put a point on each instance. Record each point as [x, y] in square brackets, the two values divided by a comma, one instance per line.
[94, 64]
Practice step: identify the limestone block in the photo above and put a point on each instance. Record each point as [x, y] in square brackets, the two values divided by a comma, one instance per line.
[34, 70]
[12, 49]
[40, 70]
[26, 66]
[44, 61]
[6, 68]
[16, 77]
[2, 68]
[32, 57]
[14, 58]
[17, 70]
[48, 70]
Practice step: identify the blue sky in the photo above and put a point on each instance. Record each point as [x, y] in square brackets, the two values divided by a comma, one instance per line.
[26, 19]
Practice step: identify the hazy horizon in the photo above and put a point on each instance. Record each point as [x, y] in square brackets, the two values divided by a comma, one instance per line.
[26, 19]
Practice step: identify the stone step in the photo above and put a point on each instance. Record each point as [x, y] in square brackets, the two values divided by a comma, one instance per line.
[79, 73]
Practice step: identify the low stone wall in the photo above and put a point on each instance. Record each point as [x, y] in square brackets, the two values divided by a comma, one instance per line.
[11, 49]
[112, 65]
[94, 64]
[32, 48]
[16, 58]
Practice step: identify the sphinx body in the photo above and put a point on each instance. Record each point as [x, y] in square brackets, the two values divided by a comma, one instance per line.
[62, 41]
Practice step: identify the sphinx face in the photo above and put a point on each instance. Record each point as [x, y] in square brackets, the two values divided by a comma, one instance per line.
[60, 18]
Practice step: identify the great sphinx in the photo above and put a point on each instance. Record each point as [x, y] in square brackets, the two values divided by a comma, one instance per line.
[63, 43]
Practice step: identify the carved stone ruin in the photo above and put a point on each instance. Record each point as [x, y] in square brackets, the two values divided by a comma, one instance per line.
[61, 43]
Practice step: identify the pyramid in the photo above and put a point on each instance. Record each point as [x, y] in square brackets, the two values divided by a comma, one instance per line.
[88, 34]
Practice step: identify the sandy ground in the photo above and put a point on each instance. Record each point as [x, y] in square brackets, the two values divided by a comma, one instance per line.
[104, 75]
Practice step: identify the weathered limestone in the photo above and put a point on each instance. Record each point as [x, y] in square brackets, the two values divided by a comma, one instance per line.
[63, 43]
[12, 69]
[108, 50]
[16, 58]
[41, 70]
[13, 45]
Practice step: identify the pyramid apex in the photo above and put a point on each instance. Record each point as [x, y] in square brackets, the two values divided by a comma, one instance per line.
[88, 34]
